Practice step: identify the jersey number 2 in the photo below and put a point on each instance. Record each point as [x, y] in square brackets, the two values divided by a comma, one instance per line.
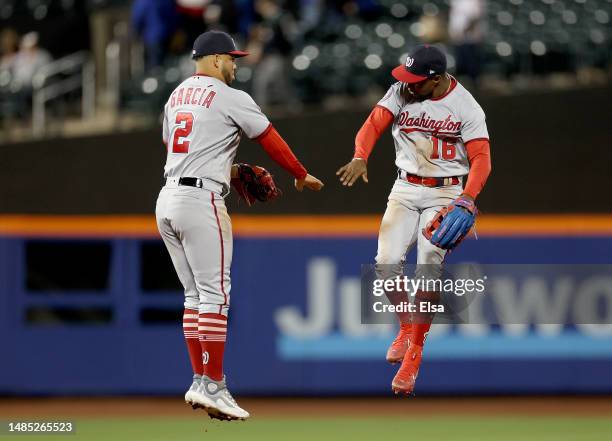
[448, 150]
[180, 144]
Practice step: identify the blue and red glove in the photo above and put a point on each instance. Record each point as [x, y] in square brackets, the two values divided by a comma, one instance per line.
[451, 224]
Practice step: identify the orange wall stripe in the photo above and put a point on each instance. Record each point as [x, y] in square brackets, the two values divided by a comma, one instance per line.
[103, 226]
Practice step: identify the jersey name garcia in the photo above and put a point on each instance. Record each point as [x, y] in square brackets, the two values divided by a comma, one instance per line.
[204, 119]
[430, 135]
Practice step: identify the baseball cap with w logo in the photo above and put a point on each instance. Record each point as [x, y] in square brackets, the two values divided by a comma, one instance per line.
[215, 42]
[424, 62]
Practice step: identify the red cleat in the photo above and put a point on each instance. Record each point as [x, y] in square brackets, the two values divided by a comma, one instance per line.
[406, 376]
[398, 348]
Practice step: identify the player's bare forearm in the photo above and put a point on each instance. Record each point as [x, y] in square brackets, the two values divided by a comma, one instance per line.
[352, 171]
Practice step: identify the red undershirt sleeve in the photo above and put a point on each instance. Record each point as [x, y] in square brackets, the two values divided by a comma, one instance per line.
[479, 156]
[377, 122]
[280, 152]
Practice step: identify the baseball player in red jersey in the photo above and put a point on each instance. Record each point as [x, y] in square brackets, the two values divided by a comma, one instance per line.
[204, 120]
[440, 136]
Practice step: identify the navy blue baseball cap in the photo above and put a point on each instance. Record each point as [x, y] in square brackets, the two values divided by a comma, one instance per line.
[424, 62]
[215, 42]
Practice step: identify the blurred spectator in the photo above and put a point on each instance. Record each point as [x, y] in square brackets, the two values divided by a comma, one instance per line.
[433, 29]
[9, 46]
[466, 29]
[271, 45]
[366, 9]
[28, 61]
[19, 70]
[246, 16]
[311, 14]
[222, 15]
[191, 17]
[154, 21]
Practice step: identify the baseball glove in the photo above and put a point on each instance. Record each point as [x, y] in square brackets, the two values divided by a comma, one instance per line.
[451, 224]
[255, 183]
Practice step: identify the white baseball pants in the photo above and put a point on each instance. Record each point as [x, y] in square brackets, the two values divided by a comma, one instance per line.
[409, 210]
[194, 225]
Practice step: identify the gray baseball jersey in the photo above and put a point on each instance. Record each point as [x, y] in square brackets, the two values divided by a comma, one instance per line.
[204, 119]
[430, 135]
[203, 122]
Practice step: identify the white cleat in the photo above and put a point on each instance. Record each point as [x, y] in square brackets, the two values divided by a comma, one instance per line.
[190, 394]
[214, 397]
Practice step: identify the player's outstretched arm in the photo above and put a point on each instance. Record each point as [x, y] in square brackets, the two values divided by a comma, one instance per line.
[377, 122]
[281, 153]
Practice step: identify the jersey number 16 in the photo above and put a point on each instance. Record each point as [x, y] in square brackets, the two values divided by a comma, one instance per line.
[449, 151]
[184, 122]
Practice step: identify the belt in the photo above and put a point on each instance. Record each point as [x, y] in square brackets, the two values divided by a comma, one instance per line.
[428, 182]
[191, 182]
[204, 183]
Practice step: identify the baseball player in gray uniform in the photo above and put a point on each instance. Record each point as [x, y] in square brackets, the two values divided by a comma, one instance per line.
[440, 137]
[204, 120]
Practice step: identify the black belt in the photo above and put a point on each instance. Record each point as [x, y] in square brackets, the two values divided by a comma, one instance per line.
[191, 182]
[207, 184]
